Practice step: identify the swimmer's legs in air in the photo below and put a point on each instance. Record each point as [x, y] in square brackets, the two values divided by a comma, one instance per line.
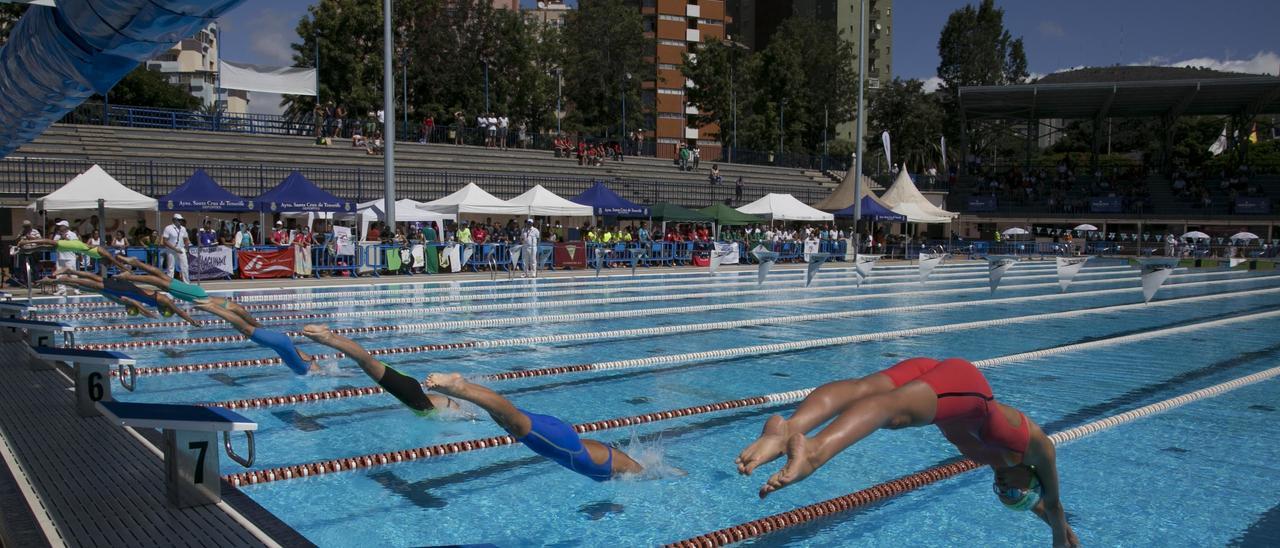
[821, 405]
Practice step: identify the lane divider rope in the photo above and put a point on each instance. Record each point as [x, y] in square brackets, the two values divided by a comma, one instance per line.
[313, 397]
[910, 482]
[689, 328]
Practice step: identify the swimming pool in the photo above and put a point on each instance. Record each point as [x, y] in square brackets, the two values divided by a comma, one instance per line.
[660, 342]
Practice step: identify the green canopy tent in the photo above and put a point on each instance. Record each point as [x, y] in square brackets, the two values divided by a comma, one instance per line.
[665, 212]
[728, 216]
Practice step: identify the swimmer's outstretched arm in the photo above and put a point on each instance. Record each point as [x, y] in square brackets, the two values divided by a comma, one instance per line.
[141, 308]
[231, 318]
[151, 280]
[164, 301]
[1042, 455]
[818, 407]
[85, 275]
[149, 269]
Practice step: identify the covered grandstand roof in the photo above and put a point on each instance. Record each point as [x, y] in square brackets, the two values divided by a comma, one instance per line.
[1248, 95]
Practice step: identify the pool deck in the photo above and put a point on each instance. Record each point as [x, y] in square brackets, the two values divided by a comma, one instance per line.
[73, 481]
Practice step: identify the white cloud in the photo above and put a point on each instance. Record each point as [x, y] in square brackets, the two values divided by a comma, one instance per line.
[1263, 62]
[265, 103]
[932, 83]
[1052, 29]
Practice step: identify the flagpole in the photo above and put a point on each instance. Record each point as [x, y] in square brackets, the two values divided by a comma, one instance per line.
[857, 159]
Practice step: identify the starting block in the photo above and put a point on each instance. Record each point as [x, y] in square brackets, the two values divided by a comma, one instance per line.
[93, 373]
[39, 334]
[12, 310]
[190, 445]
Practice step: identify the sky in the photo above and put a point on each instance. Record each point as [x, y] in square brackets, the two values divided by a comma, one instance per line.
[1238, 35]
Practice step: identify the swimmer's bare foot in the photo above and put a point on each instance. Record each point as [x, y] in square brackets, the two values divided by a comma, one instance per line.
[317, 333]
[771, 444]
[446, 383]
[797, 468]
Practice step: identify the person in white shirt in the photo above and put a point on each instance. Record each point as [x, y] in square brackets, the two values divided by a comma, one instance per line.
[491, 130]
[504, 125]
[529, 239]
[65, 260]
[175, 240]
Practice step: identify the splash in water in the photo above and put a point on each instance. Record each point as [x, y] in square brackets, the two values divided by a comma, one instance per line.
[651, 454]
[330, 368]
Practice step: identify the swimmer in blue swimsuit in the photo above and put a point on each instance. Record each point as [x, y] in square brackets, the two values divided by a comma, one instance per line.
[137, 301]
[300, 362]
[543, 434]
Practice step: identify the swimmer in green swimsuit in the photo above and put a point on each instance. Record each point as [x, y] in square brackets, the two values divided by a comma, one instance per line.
[184, 291]
[543, 434]
[74, 246]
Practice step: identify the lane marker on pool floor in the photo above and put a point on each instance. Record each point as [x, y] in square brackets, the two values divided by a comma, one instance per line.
[651, 331]
[892, 488]
[654, 361]
[925, 477]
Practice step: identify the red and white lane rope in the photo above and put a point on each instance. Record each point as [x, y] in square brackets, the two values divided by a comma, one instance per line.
[654, 361]
[375, 459]
[879, 492]
[690, 328]
[682, 328]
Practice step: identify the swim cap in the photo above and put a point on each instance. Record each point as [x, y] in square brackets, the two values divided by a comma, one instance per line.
[132, 311]
[166, 312]
[1026, 499]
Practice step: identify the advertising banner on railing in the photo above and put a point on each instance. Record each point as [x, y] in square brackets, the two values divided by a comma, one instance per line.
[1154, 273]
[571, 255]
[1253, 205]
[451, 257]
[266, 264]
[766, 259]
[811, 247]
[343, 244]
[728, 252]
[982, 203]
[1106, 204]
[865, 263]
[1068, 267]
[207, 263]
[815, 263]
[997, 265]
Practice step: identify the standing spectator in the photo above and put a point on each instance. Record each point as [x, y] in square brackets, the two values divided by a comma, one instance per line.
[175, 241]
[280, 236]
[639, 144]
[459, 123]
[464, 234]
[685, 155]
[206, 236]
[340, 116]
[303, 237]
[428, 127]
[119, 242]
[243, 237]
[522, 134]
[697, 157]
[504, 125]
[737, 191]
[374, 233]
[65, 260]
[491, 130]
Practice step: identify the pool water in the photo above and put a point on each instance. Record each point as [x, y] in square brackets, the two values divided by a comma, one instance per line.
[1203, 474]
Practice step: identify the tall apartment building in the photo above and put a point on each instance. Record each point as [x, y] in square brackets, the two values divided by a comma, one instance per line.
[513, 5]
[677, 27]
[548, 12]
[755, 22]
[192, 64]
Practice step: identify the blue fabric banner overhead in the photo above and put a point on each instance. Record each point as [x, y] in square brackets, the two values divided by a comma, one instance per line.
[201, 193]
[297, 194]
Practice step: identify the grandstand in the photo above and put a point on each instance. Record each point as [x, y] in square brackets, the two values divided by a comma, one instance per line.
[153, 161]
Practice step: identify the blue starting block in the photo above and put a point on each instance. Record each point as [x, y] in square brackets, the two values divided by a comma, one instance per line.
[38, 333]
[12, 310]
[93, 373]
[192, 475]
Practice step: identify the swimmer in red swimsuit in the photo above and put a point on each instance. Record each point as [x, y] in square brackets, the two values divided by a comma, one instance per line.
[952, 395]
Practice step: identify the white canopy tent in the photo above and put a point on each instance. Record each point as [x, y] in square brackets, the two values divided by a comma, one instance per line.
[540, 201]
[785, 207]
[83, 191]
[472, 199]
[407, 211]
[904, 198]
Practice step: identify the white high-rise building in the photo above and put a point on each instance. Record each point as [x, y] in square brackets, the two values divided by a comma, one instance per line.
[193, 65]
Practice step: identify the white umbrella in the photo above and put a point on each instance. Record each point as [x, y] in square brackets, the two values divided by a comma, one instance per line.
[1085, 227]
[1195, 235]
[1244, 236]
[1015, 231]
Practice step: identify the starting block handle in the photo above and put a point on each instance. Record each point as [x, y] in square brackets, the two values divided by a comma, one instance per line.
[133, 376]
[226, 443]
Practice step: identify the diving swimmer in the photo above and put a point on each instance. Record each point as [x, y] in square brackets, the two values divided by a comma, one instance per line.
[124, 293]
[300, 362]
[74, 246]
[950, 394]
[543, 434]
[184, 291]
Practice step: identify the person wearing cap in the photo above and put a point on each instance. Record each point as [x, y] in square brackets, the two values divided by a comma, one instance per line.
[65, 260]
[280, 236]
[175, 240]
[529, 254]
[28, 232]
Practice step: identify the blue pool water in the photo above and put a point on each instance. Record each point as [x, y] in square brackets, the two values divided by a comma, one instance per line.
[1202, 474]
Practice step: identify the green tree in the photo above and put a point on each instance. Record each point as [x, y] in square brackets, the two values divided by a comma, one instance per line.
[349, 33]
[147, 88]
[913, 119]
[604, 60]
[975, 49]
[9, 16]
[718, 71]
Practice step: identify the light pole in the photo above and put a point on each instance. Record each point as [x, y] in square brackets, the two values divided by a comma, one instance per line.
[623, 135]
[388, 119]
[857, 159]
[782, 125]
[559, 96]
[486, 86]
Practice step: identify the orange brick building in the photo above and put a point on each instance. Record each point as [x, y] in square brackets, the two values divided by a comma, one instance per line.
[676, 27]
